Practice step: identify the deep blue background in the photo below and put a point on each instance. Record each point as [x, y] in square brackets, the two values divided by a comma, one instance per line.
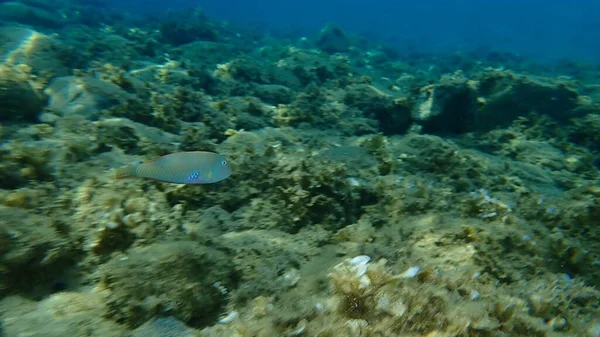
[547, 30]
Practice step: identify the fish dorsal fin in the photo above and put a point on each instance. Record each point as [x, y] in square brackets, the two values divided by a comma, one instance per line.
[157, 158]
[176, 153]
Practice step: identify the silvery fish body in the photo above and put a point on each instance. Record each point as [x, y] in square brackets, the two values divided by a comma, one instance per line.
[194, 167]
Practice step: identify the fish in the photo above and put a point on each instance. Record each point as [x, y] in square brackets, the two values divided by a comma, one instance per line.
[192, 167]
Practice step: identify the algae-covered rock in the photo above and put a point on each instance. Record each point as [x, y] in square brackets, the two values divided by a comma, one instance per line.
[178, 32]
[163, 327]
[247, 113]
[304, 67]
[33, 252]
[132, 137]
[492, 99]
[40, 52]
[264, 256]
[71, 95]
[207, 53]
[61, 314]
[19, 99]
[273, 93]
[585, 131]
[332, 39]
[23, 162]
[245, 70]
[170, 73]
[185, 279]
[392, 114]
[446, 106]
[505, 96]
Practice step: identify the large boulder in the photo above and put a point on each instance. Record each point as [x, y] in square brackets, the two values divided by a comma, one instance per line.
[33, 254]
[332, 39]
[490, 100]
[183, 279]
[392, 113]
[19, 99]
[87, 96]
[41, 53]
[180, 32]
[505, 96]
[61, 314]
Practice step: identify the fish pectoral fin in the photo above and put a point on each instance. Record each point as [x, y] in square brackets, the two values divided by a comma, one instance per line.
[124, 172]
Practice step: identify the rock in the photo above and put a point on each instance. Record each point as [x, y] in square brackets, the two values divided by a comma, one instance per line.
[129, 135]
[19, 45]
[273, 93]
[19, 100]
[13, 11]
[179, 32]
[32, 251]
[447, 106]
[206, 53]
[505, 96]
[490, 100]
[163, 327]
[169, 73]
[332, 39]
[185, 279]
[61, 314]
[279, 252]
[392, 114]
[593, 330]
[71, 95]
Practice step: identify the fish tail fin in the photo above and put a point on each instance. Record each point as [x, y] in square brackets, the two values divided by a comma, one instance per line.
[125, 172]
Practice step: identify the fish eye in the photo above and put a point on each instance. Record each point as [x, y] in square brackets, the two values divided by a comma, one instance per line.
[224, 162]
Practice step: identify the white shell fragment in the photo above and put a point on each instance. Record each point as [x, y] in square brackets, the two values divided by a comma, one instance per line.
[229, 318]
[389, 305]
[291, 277]
[356, 327]
[359, 260]
[410, 272]
[359, 265]
[364, 281]
[352, 273]
[300, 328]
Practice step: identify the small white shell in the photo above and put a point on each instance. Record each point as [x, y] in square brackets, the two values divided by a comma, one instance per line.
[229, 318]
[292, 277]
[359, 265]
[410, 272]
[299, 328]
[359, 260]
[359, 270]
[364, 282]
[111, 225]
[353, 182]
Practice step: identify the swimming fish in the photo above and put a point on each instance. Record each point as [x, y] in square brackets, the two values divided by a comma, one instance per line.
[194, 167]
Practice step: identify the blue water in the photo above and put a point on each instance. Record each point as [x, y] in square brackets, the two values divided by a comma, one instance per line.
[546, 30]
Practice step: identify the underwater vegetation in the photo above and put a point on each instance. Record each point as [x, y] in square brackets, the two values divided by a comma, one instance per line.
[367, 192]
